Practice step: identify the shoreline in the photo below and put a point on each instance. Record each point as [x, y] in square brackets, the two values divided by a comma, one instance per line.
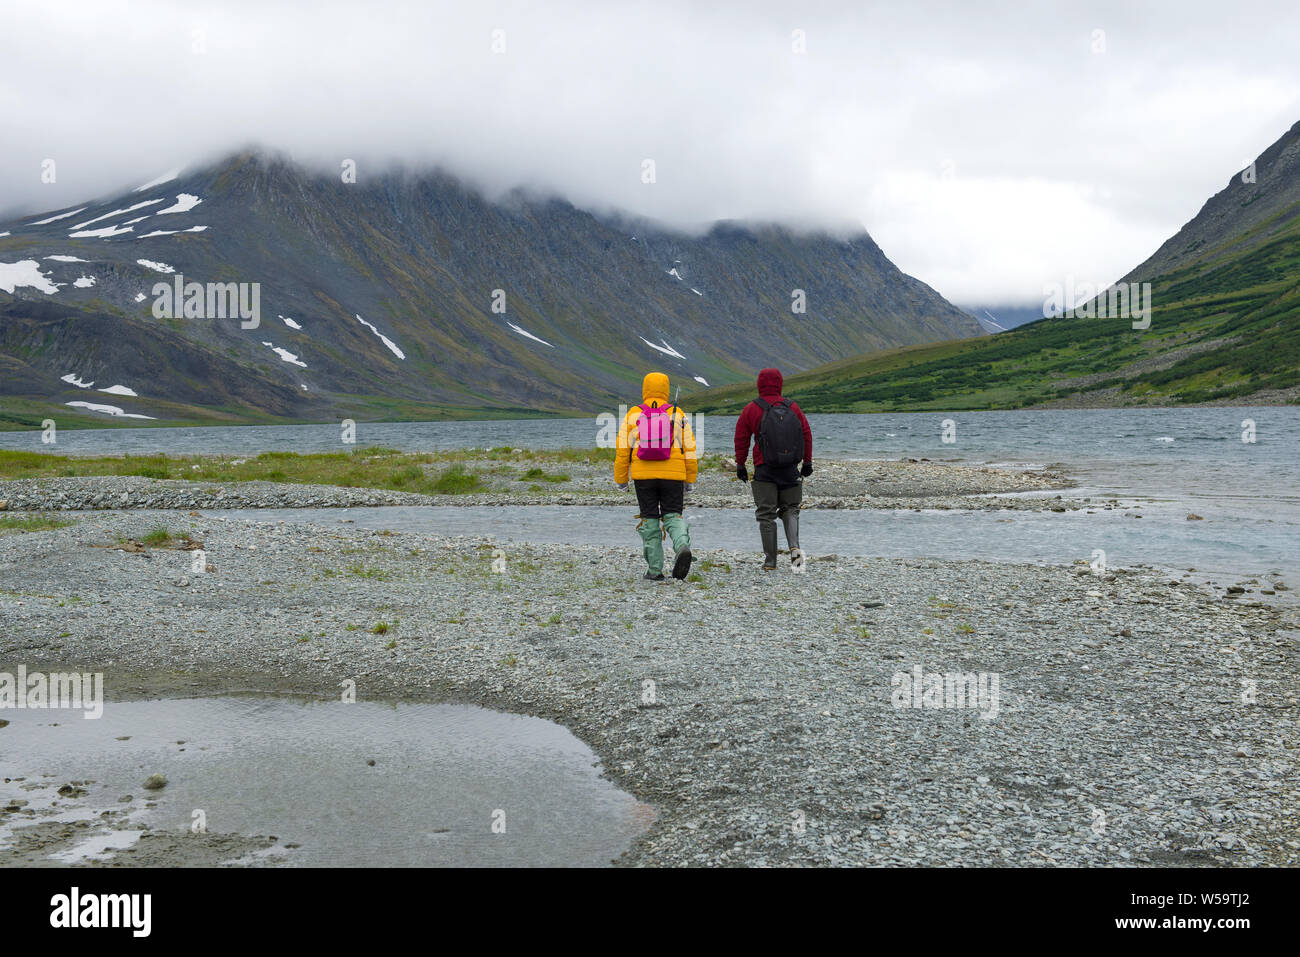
[1272, 398]
[835, 484]
[1120, 692]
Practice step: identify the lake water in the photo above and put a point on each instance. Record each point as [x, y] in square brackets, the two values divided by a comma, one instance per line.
[1173, 461]
[1147, 450]
[300, 771]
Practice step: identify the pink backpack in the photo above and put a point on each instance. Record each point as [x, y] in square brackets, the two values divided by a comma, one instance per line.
[655, 433]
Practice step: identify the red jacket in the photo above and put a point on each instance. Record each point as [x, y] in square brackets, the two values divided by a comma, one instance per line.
[751, 417]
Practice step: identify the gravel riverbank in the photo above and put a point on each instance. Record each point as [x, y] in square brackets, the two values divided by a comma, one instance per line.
[1135, 719]
[902, 484]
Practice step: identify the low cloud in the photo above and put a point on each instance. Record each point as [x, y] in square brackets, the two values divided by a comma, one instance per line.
[988, 149]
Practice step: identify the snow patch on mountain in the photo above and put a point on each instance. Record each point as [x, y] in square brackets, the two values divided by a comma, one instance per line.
[666, 349]
[525, 332]
[107, 410]
[674, 272]
[392, 347]
[156, 267]
[67, 259]
[284, 354]
[119, 390]
[139, 297]
[173, 232]
[166, 177]
[25, 272]
[288, 322]
[72, 379]
[700, 379]
[118, 212]
[184, 203]
[84, 282]
[696, 291]
[54, 219]
[102, 233]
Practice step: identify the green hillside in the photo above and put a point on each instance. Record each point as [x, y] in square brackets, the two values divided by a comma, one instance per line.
[1225, 325]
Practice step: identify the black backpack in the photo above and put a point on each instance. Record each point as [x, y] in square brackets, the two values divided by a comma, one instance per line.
[780, 434]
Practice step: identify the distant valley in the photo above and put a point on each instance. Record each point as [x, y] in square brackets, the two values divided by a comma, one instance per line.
[1224, 327]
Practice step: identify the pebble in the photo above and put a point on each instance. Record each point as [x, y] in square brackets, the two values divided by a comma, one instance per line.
[772, 666]
[834, 485]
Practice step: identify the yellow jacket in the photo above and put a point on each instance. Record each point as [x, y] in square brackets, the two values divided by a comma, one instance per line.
[681, 466]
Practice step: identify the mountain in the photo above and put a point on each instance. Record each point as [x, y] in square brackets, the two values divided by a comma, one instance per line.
[1224, 327]
[1260, 205]
[377, 301]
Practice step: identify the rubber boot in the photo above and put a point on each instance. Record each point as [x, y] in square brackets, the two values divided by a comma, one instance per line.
[767, 530]
[791, 522]
[652, 547]
[680, 533]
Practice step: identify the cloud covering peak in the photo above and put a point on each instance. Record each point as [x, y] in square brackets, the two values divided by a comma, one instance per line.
[987, 154]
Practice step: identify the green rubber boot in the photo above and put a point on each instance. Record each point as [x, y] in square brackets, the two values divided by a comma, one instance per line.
[653, 547]
[680, 533]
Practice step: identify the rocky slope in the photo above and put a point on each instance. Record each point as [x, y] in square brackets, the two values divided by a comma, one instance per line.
[1116, 734]
[1259, 204]
[403, 296]
[1224, 328]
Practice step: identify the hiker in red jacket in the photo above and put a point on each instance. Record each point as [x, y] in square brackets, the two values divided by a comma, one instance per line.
[782, 439]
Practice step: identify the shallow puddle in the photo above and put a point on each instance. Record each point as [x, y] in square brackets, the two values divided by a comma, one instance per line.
[364, 784]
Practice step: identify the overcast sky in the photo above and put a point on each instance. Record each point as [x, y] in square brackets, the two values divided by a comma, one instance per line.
[988, 148]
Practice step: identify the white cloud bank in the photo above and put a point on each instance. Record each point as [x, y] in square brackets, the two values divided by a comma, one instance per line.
[988, 149]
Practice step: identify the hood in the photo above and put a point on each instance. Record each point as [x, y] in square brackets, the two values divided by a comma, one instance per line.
[770, 382]
[654, 386]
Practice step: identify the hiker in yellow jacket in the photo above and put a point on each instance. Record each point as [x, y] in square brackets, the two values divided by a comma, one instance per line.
[657, 447]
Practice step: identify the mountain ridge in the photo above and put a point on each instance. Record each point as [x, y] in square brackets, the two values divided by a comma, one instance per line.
[1258, 202]
[414, 264]
[1224, 328]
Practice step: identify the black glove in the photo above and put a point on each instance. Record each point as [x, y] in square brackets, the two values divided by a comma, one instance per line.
[742, 473]
[806, 470]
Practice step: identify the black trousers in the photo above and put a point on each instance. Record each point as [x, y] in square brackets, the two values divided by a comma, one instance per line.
[773, 502]
[782, 476]
[659, 497]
